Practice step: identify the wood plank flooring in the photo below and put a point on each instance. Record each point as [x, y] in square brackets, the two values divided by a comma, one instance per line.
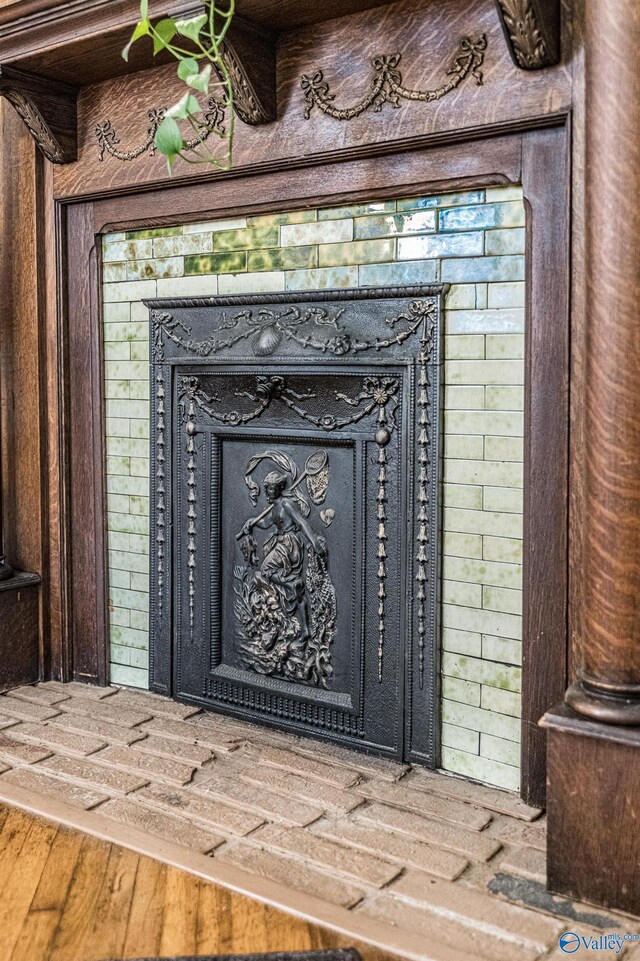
[65, 896]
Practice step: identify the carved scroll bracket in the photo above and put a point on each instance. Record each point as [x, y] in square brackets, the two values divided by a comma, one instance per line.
[532, 29]
[250, 56]
[49, 110]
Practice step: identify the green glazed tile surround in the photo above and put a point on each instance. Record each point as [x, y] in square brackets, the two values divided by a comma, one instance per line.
[473, 240]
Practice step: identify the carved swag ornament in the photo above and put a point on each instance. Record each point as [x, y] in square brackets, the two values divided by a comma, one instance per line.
[387, 85]
[108, 140]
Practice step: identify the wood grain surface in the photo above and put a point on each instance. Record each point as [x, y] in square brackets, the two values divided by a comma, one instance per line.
[276, 14]
[81, 43]
[611, 587]
[546, 464]
[19, 636]
[20, 401]
[86, 475]
[20, 342]
[593, 842]
[426, 32]
[70, 897]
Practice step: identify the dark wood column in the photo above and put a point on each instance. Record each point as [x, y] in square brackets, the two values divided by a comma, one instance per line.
[594, 741]
[608, 688]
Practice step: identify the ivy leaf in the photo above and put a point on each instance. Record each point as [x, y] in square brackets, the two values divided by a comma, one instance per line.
[144, 9]
[169, 139]
[187, 68]
[201, 81]
[163, 34]
[142, 30]
[191, 28]
[187, 106]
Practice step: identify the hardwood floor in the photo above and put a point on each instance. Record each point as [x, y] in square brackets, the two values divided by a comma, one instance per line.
[65, 896]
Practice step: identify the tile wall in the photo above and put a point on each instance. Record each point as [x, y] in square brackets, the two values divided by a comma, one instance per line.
[474, 241]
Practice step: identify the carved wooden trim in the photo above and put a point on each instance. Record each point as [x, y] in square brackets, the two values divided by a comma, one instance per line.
[47, 108]
[108, 140]
[250, 57]
[532, 29]
[386, 85]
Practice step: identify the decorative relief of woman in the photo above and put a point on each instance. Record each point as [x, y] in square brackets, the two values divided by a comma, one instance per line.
[286, 602]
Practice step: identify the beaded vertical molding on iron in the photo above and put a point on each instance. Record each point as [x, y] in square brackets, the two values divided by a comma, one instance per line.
[382, 439]
[192, 499]
[423, 491]
[160, 490]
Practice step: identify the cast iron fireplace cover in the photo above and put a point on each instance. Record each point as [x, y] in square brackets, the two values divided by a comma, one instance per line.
[296, 452]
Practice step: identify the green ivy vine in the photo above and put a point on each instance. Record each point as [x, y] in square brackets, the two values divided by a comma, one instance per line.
[201, 67]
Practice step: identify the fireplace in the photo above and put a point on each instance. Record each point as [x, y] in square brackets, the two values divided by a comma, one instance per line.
[295, 526]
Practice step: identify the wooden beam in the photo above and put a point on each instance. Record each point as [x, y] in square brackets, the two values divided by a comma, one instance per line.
[532, 30]
[49, 110]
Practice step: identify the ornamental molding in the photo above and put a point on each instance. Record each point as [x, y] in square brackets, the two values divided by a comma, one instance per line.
[48, 110]
[387, 85]
[108, 140]
[375, 393]
[532, 30]
[312, 328]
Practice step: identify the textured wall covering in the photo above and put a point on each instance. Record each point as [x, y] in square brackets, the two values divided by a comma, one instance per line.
[475, 241]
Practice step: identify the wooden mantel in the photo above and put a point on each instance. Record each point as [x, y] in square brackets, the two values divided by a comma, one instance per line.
[50, 50]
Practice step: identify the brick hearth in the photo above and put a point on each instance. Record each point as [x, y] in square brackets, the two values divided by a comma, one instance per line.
[461, 864]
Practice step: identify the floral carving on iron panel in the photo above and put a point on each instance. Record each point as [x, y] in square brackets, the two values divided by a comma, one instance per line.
[387, 85]
[312, 328]
[376, 392]
[285, 600]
